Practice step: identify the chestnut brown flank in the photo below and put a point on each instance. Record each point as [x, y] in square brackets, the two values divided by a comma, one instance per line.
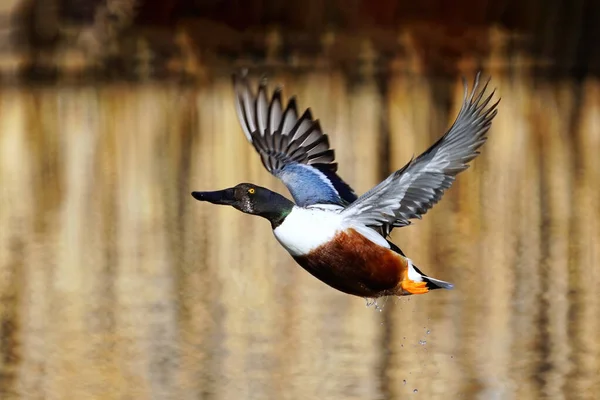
[353, 264]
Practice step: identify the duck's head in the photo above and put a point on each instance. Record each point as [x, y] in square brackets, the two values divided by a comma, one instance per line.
[251, 199]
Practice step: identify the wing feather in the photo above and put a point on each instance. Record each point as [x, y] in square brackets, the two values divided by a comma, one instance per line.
[284, 141]
[412, 190]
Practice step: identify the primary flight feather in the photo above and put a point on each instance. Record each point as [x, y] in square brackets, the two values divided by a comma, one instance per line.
[412, 190]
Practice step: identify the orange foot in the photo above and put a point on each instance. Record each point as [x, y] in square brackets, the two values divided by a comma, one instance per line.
[413, 287]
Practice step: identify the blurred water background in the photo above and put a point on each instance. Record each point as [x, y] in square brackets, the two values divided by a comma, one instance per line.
[116, 284]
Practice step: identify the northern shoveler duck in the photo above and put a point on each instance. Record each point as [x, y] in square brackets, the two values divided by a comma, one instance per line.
[336, 236]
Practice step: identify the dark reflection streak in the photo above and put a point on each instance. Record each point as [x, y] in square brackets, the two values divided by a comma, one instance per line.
[544, 344]
[180, 242]
[214, 335]
[384, 169]
[111, 252]
[386, 353]
[575, 298]
[189, 126]
[9, 321]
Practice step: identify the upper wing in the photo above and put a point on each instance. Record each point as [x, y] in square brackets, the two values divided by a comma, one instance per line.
[411, 191]
[292, 148]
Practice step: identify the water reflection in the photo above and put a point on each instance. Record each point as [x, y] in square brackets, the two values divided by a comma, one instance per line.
[116, 284]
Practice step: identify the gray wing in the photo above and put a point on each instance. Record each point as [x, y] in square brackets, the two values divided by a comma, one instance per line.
[411, 191]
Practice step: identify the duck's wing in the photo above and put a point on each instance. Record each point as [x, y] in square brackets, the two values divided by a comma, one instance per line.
[292, 148]
[411, 191]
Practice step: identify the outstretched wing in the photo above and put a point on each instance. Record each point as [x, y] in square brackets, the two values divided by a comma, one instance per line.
[292, 148]
[411, 191]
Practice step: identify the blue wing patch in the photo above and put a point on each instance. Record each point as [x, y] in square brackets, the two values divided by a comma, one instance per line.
[344, 190]
[309, 185]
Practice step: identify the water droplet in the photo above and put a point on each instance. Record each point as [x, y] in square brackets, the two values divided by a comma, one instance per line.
[404, 381]
[415, 391]
[373, 302]
[422, 342]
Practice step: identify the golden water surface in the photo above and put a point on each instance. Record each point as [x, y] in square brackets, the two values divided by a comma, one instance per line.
[117, 284]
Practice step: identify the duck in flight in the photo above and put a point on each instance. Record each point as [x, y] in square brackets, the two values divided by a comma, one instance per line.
[340, 238]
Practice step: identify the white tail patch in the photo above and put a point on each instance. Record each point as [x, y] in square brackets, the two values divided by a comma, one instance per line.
[413, 275]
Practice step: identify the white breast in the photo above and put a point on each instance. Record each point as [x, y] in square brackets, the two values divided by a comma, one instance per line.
[305, 229]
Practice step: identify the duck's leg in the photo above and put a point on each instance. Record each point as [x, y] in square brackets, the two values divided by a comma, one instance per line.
[412, 282]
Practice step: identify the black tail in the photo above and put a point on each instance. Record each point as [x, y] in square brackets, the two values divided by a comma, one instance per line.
[433, 283]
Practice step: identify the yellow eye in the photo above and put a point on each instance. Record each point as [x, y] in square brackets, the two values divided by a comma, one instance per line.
[251, 190]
